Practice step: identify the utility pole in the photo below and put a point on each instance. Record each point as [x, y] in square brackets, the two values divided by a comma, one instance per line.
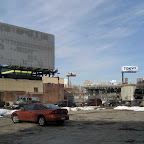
[70, 74]
[142, 87]
[122, 77]
[68, 81]
[58, 86]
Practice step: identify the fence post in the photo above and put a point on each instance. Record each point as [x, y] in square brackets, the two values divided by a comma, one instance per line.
[95, 99]
[28, 97]
[116, 101]
[106, 97]
[67, 99]
[83, 99]
[5, 101]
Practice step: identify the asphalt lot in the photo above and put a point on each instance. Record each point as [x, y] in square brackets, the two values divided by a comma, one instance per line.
[84, 127]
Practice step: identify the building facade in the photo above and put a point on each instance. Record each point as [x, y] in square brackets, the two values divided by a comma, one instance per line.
[49, 89]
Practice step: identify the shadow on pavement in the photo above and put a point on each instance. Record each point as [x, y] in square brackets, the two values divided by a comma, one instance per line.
[75, 132]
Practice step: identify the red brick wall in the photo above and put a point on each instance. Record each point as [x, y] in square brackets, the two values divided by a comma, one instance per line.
[11, 95]
[53, 93]
[68, 89]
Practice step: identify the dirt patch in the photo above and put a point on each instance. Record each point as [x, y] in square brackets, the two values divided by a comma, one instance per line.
[103, 126]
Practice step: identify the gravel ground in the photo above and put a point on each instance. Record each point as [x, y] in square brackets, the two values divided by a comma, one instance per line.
[84, 127]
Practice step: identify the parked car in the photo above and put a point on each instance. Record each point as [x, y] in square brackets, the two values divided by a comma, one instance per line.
[2, 103]
[111, 102]
[92, 102]
[64, 104]
[22, 103]
[40, 113]
[126, 103]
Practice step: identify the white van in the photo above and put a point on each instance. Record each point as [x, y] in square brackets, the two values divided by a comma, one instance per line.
[23, 98]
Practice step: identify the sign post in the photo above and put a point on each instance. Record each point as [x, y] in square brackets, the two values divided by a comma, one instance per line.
[70, 74]
[128, 69]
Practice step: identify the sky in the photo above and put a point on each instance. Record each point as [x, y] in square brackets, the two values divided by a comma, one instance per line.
[93, 38]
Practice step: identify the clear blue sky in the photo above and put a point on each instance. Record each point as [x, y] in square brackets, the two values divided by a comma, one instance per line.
[93, 38]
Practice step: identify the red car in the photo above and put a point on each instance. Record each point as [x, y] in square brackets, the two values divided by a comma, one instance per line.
[91, 102]
[41, 113]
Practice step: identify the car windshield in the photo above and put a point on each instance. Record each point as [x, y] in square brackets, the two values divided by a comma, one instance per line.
[50, 106]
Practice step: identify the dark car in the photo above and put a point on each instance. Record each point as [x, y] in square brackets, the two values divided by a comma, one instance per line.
[92, 102]
[41, 113]
[22, 104]
[64, 104]
[2, 103]
[126, 103]
[111, 102]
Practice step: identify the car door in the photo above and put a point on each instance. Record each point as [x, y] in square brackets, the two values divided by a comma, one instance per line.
[38, 110]
[27, 114]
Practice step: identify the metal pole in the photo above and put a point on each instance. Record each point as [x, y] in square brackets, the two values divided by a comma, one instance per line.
[116, 101]
[142, 87]
[68, 81]
[5, 101]
[82, 97]
[107, 98]
[28, 97]
[67, 99]
[95, 99]
[58, 89]
[122, 77]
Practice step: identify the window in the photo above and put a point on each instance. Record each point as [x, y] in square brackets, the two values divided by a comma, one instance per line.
[49, 84]
[37, 107]
[35, 89]
[50, 106]
[29, 107]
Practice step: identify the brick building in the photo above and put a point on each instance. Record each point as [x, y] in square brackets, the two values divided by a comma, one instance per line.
[49, 89]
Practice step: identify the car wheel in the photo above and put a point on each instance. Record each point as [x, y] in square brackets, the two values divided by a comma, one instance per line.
[61, 122]
[15, 118]
[41, 121]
